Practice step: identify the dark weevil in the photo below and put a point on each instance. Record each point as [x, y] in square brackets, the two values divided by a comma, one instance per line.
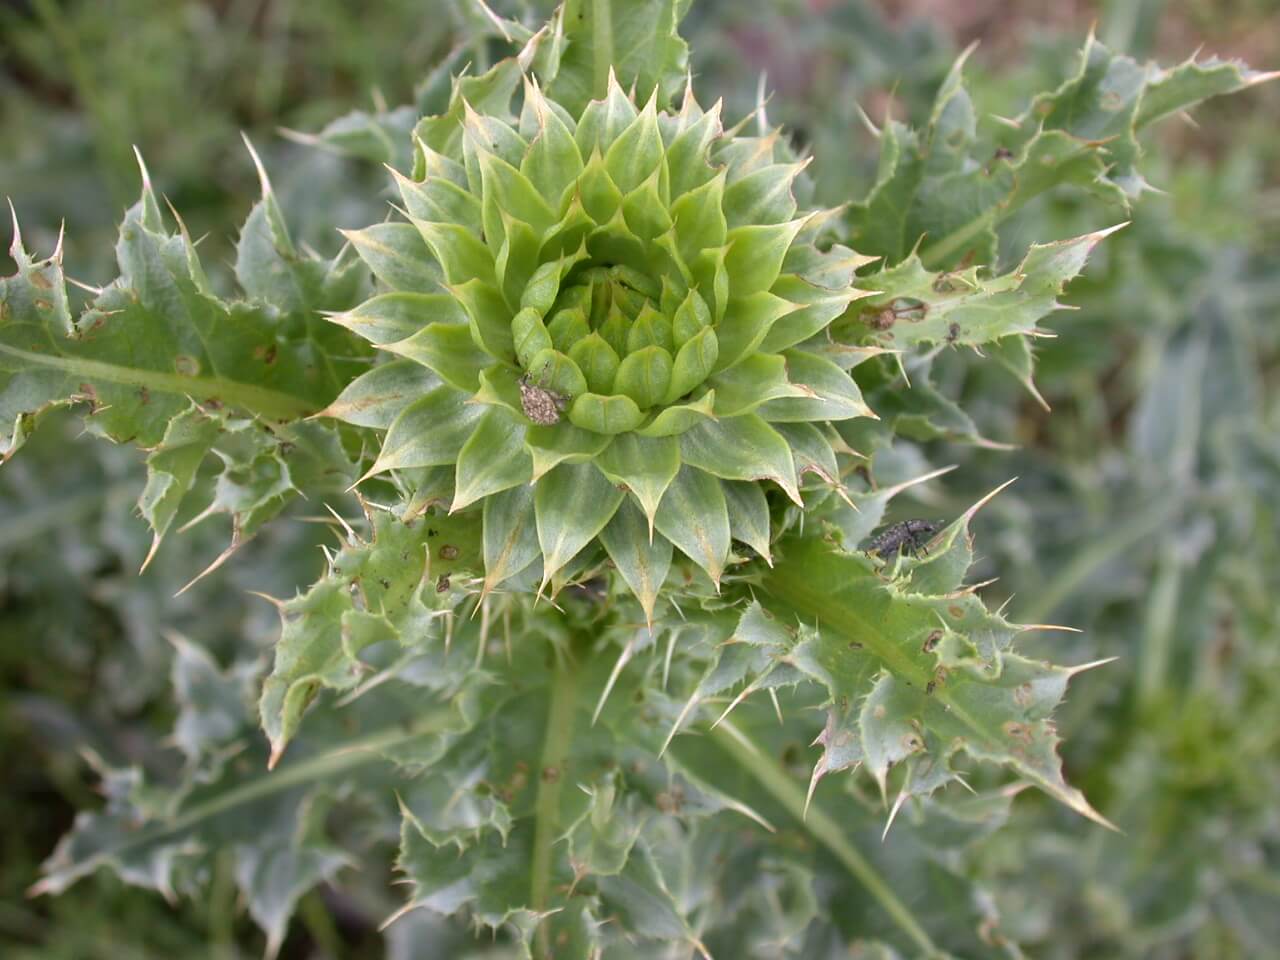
[909, 534]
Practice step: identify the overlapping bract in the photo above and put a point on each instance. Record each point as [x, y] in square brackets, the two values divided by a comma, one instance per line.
[610, 310]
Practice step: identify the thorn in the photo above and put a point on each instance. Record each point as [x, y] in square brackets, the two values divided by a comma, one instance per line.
[746, 692]
[274, 601]
[868, 122]
[968, 514]
[182, 227]
[1030, 627]
[155, 545]
[819, 771]
[762, 99]
[372, 471]
[142, 168]
[897, 804]
[56, 256]
[1072, 671]
[890, 492]
[15, 247]
[257, 163]
[623, 659]
[219, 561]
[777, 708]
[1262, 78]
[306, 139]
[1083, 808]
[675, 727]
[87, 287]
[351, 534]
[396, 915]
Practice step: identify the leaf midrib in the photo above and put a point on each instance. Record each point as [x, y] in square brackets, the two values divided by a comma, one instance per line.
[271, 404]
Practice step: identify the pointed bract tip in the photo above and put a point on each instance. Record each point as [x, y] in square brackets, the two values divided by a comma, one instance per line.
[746, 692]
[373, 471]
[219, 561]
[902, 794]
[1085, 809]
[675, 727]
[495, 20]
[897, 488]
[623, 659]
[1105, 232]
[1261, 77]
[263, 180]
[819, 771]
[15, 246]
[177, 218]
[968, 514]
[151, 554]
[1081, 668]
[274, 601]
[142, 169]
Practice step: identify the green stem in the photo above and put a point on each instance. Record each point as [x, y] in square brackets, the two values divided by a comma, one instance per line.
[269, 404]
[602, 44]
[348, 757]
[770, 775]
[551, 776]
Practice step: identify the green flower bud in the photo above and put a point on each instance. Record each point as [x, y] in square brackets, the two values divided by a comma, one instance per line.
[634, 304]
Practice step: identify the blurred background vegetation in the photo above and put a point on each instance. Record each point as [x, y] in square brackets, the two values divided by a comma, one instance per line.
[1146, 514]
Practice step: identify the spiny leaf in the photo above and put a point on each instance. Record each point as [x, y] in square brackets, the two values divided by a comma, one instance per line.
[637, 42]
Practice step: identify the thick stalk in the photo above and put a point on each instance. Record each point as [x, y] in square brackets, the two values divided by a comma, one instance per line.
[770, 775]
[556, 742]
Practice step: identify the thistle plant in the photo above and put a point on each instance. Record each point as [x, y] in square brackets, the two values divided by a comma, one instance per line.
[593, 413]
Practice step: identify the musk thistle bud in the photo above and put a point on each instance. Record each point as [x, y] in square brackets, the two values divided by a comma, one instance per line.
[605, 326]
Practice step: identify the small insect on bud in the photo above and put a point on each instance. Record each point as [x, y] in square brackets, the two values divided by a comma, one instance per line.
[911, 535]
[539, 404]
